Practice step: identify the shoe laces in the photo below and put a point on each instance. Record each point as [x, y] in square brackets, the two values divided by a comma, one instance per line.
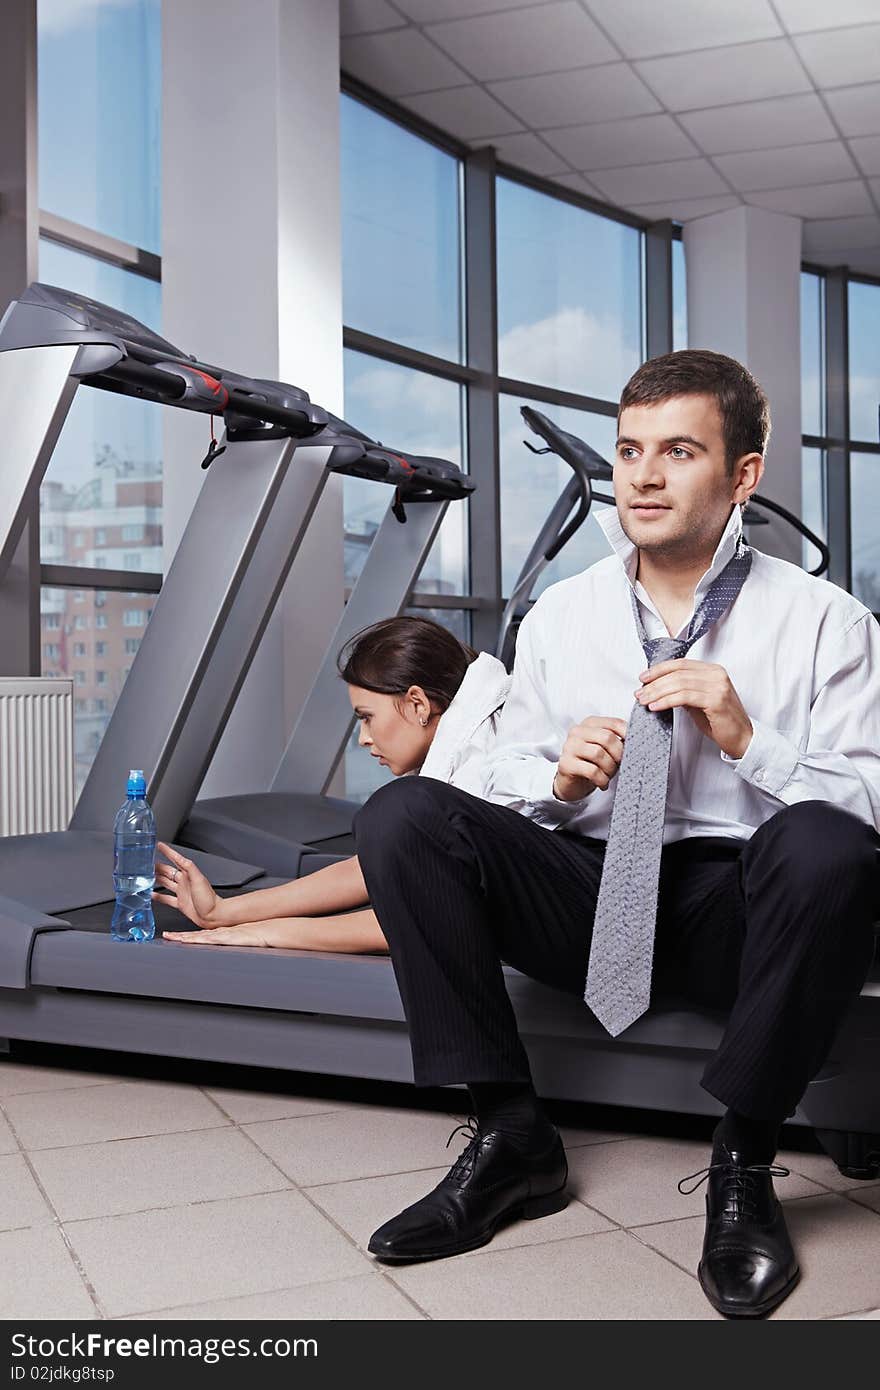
[464, 1164]
[739, 1186]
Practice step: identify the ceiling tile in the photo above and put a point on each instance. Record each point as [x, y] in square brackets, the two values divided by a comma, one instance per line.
[528, 152]
[842, 57]
[578, 183]
[400, 62]
[677, 26]
[610, 144]
[725, 76]
[363, 16]
[569, 98]
[875, 188]
[648, 183]
[686, 209]
[469, 113]
[426, 11]
[787, 168]
[856, 109]
[759, 125]
[521, 43]
[848, 199]
[867, 151]
[799, 16]
[841, 233]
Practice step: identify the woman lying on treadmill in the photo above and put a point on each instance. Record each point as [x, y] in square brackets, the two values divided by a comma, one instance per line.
[426, 704]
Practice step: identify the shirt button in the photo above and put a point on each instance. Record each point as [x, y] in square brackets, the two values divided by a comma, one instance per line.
[759, 776]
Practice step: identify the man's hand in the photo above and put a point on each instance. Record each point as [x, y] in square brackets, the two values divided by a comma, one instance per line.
[590, 758]
[706, 691]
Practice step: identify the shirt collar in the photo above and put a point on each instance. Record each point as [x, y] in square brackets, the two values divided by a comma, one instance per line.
[609, 521]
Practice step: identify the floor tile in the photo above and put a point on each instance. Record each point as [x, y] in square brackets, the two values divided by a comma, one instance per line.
[40, 1280]
[122, 1111]
[364, 1298]
[357, 1143]
[163, 1171]
[7, 1138]
[16, 1079]
[606, 1277]
[359, 1207]
[837, 1243]
[214, 1250]
[21, 1202]
[247, 1107]
[636, 1181]
[867, 1195]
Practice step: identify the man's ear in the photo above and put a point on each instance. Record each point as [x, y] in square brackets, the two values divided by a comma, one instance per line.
[748, 470]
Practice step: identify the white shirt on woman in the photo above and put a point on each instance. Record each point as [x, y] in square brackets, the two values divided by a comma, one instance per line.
[466, 730]
[803, 656]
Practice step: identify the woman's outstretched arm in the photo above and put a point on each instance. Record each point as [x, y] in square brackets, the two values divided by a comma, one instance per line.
[349, 932]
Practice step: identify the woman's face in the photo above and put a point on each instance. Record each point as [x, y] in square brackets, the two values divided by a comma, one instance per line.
[391, 727]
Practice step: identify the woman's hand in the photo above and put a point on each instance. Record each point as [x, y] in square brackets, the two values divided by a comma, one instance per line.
[248, 934]
[186, 888]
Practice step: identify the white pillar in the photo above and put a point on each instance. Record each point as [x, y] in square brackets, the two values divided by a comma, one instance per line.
[743, 290]
[252, 280]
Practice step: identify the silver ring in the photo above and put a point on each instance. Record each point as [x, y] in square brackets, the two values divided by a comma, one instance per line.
[176, 872]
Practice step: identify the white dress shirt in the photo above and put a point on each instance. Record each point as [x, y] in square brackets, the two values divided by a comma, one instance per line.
[466, 731]
[803, 656]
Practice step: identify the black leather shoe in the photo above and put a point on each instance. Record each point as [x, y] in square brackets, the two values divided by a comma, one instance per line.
[490, 1182]
[748, 1265]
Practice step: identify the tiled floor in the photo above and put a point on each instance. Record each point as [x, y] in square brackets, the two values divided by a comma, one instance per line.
[158, 1189]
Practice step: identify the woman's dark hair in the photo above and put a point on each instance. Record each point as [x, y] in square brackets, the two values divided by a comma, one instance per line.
[392, 655]
[745, 414]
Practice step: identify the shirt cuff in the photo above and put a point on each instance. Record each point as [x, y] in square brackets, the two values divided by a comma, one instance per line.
[546, 808]
[769, 760]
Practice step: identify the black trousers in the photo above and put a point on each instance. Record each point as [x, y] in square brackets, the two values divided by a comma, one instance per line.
[777, 929]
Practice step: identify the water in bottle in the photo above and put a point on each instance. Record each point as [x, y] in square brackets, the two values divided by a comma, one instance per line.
[134, 864]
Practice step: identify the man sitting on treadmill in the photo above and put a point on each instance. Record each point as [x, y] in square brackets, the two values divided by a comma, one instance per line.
[717, 838]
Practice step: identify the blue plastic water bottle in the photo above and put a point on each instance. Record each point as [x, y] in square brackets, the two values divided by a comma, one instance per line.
[134, 864]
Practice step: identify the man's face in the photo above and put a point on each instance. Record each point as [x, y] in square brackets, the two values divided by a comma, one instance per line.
[671, 485]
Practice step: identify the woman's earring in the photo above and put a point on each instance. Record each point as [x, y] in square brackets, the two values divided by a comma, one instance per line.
[424, 723]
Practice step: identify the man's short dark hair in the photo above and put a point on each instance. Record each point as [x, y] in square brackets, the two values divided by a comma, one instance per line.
[744, 409]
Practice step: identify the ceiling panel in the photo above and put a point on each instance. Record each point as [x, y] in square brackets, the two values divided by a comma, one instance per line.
[675, 26]
[363, 16]
[867, 152]
[856, 109]
[524, 42]
[759, 125]
[686, 209]
[425, 11]
[841, 233]
[724, 76]
[647, 183]
[469, 113]
[848, 199]
[579, 183]
[842, 57]
[528, 152]
[800, 15]
[607, 144]
[787, 168]
[400, 62]
[570, 98]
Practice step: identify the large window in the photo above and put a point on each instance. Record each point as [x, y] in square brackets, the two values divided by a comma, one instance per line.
[569, 294]
[864, 361]
[101, 498]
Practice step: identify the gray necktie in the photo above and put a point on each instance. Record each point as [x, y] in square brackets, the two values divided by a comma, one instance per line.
[621, 955]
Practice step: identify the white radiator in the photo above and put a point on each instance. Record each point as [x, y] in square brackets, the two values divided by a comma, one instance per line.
[36, 754]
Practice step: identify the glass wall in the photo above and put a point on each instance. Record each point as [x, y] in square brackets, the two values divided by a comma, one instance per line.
[101, 498]
[864, 361]
[812, 355]
[865, 528]
[679, 298]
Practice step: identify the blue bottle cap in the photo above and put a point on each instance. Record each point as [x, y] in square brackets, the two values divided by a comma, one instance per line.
[137, 785]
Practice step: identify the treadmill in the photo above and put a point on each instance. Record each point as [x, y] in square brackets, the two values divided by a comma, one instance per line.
[63, 980]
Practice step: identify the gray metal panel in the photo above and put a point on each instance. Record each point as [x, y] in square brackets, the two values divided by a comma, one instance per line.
[658, 289]
[232, 560]
[19, 925]
[41, 377]
[393, 564]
